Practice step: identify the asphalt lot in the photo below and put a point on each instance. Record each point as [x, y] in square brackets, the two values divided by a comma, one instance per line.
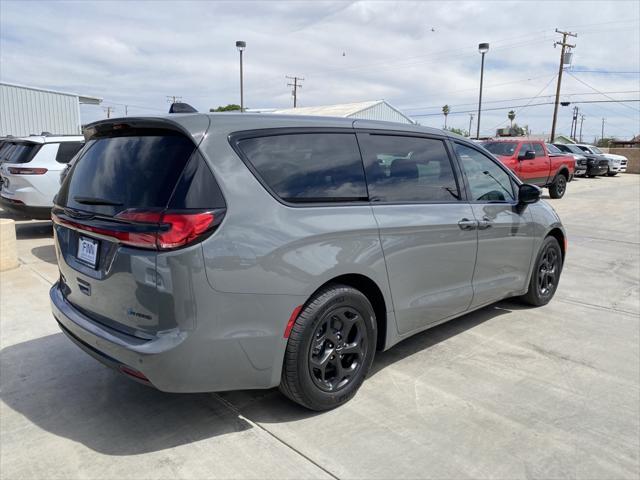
[505, 392]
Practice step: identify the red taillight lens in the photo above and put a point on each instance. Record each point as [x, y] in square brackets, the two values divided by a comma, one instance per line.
[27, 171]
[153, 229]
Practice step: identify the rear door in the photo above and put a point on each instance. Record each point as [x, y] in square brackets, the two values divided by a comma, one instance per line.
[427, 230]
[106, 218]
[505, 230]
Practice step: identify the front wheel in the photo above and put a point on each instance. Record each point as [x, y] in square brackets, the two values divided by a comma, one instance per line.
[546, 274]
[330, 348]
[611, 174]
[558, 187]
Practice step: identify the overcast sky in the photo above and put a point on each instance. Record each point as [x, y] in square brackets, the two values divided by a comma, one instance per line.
[416, 55]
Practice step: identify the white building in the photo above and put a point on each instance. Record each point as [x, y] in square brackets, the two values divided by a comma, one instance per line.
[30, 110]
[373, 110]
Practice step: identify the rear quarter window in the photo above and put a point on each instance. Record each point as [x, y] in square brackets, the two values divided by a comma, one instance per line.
[308, 167]
[67, 150]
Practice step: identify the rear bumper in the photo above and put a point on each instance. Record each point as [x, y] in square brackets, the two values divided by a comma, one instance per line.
[177, 361]
[17, 207]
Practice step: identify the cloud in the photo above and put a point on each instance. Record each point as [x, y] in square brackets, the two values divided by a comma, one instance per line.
[417, 55]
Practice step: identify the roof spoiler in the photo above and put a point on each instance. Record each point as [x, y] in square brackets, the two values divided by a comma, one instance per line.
[179, 107]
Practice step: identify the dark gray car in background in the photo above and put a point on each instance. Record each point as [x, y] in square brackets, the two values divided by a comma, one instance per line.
[234, 251]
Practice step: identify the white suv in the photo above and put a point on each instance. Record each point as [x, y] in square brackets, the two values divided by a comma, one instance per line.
[30, 171]
[617, 163]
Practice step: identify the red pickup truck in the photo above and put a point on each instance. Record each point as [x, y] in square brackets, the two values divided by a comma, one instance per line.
[531, 162]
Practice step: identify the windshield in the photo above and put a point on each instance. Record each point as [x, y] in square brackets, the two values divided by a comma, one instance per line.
[595, 150]
[506, 149]
[553, 148]
[18, 152]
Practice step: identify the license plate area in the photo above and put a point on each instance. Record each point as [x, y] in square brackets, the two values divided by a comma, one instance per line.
[88, 249]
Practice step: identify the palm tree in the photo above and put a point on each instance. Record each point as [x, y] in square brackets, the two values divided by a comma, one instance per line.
[512, 116]
[445, 111]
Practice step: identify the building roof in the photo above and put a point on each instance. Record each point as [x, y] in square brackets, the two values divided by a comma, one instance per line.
[338, 110]
[82, 98]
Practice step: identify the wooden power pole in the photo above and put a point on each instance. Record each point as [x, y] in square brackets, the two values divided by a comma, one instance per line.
[295, 86]
[564, 45]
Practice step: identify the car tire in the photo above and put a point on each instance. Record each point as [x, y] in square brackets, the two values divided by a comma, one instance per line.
[330, 348]
[545, 274]
[559, 186]
[611, 174]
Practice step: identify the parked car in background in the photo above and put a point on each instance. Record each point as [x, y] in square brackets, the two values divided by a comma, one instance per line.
[617, 163]
[531, 162]
[597, 164]
[219, 252]
[30, 170]
[581, 160]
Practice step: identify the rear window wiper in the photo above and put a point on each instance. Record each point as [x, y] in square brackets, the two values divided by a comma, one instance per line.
[96, 201]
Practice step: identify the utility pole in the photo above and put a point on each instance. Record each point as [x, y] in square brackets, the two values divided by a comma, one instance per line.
[295, 86]
[574, 122]
[602, 132]
[565, 45]
[173, 99]
[108, 110]
[581, 121]
[470, 122]
[126, 110]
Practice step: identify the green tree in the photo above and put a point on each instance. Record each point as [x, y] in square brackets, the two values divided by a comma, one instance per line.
[604, 142]
[459, 131]
[512, 116]
[228, 108]
[445, 111]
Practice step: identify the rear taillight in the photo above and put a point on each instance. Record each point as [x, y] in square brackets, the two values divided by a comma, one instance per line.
[152, 229]
[27, 171]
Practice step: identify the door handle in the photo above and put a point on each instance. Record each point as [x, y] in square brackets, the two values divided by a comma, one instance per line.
[466, 224]
[484, 223]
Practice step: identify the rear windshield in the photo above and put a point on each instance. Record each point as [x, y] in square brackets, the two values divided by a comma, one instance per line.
[15, 152]
[506, 149]
[118, 173]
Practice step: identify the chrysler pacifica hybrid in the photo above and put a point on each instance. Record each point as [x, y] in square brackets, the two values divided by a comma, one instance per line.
[234, 251]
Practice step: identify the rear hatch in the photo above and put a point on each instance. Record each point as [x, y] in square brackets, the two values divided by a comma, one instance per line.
[134, 193]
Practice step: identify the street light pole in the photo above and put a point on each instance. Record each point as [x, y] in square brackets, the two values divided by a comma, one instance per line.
[470, 122]
[482, 48]
[241, 45]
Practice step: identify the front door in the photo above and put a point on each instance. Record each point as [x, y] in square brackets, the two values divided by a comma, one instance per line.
[505, 230]
[427, 232]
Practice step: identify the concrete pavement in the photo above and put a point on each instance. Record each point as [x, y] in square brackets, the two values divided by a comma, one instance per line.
[505, 392]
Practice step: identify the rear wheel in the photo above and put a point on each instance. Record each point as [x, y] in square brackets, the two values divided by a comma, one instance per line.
[558, 187]
[546, 274]
[330, 348]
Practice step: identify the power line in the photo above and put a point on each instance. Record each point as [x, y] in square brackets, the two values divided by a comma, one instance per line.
[601, 93]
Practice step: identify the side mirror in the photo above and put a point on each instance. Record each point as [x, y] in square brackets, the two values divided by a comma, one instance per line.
[528, 193]
[528, 155]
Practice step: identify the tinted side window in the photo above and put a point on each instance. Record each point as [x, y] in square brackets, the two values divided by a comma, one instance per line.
[487, 181]
[308, 167]
[407, 169]
[67, 150]
[537, 147]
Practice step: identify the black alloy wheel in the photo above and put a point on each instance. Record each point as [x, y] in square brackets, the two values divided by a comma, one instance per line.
[546, 273]
[338, 349]
[330, 348]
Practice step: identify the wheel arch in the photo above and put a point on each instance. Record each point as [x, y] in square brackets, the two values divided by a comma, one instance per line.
[560, 236]
[373, 293]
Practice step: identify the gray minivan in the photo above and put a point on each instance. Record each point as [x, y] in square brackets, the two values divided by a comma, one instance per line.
[210, 252]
